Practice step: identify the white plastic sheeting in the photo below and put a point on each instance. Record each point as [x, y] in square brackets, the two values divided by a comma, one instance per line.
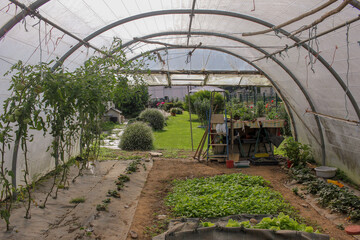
[330, 85]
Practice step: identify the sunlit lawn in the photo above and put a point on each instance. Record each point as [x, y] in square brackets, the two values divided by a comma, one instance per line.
[176, 135]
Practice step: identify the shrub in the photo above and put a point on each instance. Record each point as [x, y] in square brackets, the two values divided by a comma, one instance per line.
[130, 99]
[179, 104]
[167, 106]
[202, 108]
[137, 136]
[176, 110]
[154, 117]
[218, 100]
[260, 109]
[297, 152]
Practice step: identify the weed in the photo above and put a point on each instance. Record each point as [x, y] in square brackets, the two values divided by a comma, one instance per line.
[113, 193]
[108, 154]
[174, 154]
[133, 166]
[78, 200]
[102, 207]
[131, 157]
[157, 228]
[124, 178]
[109, 126]
[340, 226]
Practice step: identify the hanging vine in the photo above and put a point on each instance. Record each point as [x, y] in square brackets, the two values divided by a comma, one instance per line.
[58, 102]
[22, 109]
[5, 174]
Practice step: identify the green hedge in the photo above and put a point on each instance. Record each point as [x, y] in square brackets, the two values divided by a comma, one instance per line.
[154, 117]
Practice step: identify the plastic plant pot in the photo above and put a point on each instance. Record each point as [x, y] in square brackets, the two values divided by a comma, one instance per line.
[229, 163]
[325, 171]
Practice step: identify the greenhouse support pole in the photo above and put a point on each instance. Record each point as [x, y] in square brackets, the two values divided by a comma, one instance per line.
[255, 92]
[192, 141]
[264, 97]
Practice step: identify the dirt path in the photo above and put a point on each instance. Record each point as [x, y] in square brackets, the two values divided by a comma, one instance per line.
[62, 220]
[147, 222]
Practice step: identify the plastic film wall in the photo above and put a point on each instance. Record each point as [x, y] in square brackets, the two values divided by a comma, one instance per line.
[318, 77]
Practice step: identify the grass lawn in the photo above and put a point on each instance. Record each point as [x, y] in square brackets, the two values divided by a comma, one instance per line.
[176, 135]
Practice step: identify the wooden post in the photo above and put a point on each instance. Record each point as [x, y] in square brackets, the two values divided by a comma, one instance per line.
[264, 97]
[192, 141]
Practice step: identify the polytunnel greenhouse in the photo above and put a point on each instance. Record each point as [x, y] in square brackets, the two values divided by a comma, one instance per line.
[67, 67]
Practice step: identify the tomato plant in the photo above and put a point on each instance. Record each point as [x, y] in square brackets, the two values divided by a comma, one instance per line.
[22, 109]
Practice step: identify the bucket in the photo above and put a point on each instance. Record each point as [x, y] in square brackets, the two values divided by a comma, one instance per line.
[325, 172]
[229, 163]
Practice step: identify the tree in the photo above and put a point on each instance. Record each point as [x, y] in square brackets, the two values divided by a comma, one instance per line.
[131, 99]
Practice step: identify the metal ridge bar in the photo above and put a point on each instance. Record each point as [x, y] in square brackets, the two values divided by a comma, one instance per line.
[191, 20]
[203, 72]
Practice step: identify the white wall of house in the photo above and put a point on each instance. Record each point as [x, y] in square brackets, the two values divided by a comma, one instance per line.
[173, 92]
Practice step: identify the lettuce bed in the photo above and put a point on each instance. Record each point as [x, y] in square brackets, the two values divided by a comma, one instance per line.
[224, 195]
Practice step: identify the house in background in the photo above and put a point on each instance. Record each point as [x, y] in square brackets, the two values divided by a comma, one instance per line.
[114, 115]
[163, 92]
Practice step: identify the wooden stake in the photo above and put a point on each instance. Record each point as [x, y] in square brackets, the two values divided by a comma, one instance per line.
[323, 17]
[291, 21]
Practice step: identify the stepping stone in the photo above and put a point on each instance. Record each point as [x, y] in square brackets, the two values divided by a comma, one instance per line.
[133, 234]
[155, 154]
[353, 230]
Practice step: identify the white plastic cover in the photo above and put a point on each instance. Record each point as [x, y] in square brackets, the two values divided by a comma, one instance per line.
[326, 84]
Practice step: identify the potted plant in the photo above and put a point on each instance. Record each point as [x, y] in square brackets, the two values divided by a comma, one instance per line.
[173, 111]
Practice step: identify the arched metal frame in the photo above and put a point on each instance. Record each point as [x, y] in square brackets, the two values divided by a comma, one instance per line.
[222, 13]
[216, 12]
[288, 105]
[213, 12]
[306, 95]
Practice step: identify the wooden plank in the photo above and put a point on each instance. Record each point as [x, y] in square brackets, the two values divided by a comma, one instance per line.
[217, 118]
